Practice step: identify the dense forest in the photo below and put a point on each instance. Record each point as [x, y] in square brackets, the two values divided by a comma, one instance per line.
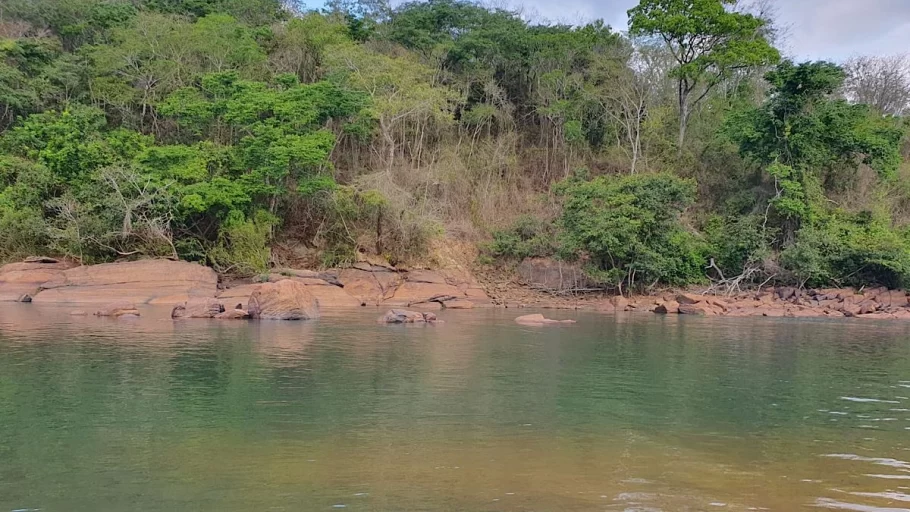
[249, 133]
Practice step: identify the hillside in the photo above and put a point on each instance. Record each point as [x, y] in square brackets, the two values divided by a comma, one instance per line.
[250, 136]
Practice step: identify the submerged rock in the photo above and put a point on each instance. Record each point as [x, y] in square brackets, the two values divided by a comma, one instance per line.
[539, 319]
[118, 309]
[458, 304]
[198, 308]
[284, 300]
[403, 316]
[233, 314]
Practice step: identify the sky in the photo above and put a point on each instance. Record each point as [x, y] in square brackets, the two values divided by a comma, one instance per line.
[817, 29]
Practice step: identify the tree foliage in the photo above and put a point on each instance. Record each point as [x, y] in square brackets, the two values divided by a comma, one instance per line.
[627, 229]
[247, 134]
[708, 41]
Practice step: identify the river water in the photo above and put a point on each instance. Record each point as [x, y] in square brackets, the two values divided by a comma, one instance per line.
[624, 413]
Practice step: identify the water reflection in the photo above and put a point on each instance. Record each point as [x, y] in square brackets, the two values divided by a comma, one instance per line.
[615, 413]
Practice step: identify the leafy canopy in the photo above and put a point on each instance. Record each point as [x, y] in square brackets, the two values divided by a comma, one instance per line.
[628, 230]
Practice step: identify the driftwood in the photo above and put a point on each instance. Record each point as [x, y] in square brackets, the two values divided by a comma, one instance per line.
[729, 286]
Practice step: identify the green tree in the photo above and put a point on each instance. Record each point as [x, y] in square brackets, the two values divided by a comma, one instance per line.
[807, 139]
[279, 143]
[627, 229]
[708, 42]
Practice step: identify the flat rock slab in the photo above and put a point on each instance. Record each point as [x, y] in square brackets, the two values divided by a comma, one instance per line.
[142, 282]
[18, 279]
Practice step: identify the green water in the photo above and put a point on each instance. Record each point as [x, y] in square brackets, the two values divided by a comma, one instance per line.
[628, 413]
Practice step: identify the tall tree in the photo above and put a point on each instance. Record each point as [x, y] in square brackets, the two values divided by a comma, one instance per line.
[880, 82]
[708, 42]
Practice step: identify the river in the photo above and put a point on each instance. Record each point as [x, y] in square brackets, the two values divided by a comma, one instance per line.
[625, 413]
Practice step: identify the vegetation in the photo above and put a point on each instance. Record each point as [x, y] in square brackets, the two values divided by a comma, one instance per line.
[245, 135]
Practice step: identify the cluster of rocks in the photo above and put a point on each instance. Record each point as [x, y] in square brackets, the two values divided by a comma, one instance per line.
[403, 316]
[366, 284]
[281, 300]
[291, 294]
[876, 303]
[193, 289]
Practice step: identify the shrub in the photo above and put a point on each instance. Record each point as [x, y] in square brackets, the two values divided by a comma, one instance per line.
[243, 244]
[528, 237]
[845, 249]
[627, 230]
[737, 242]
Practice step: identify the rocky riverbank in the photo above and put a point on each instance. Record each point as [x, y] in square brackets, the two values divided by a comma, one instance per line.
[876, 303]
[196, 291]
[165, 282]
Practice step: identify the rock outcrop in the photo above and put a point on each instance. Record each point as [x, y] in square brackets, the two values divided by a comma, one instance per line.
[284, 300]
[143, 282]
[20, 279]
[370, 285]
[374, 285]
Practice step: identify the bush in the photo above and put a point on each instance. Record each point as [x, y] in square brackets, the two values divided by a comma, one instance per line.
[243, 244]
[23, 232]
[849, 250]
[627, 230]
[528, 237]
[358, 219]
[737, 242]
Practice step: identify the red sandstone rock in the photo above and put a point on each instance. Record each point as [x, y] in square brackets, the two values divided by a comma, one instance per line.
[284, 300]
[539, 319]
[668, 308]
[693, 309]
[403, 316]
[892, 299]
[118, 309]
[198, 308]
[458, 304]
[26, 278]
[142, 282]
[690, 298]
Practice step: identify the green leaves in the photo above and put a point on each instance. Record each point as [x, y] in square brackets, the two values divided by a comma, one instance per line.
[628, 230]
[708, 41]
[802, 132]
[72, 143]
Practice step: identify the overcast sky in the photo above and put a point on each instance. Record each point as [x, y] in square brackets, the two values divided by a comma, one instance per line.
[818, 29]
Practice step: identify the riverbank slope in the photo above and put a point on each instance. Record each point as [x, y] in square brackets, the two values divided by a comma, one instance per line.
[165, 282]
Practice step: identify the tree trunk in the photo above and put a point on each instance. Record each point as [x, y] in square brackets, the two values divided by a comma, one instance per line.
[683, 122]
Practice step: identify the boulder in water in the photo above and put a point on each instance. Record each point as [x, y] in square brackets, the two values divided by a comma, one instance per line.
[284, 300]
[539, 319]
[233, 314]
[198, 308]
[403, 316]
